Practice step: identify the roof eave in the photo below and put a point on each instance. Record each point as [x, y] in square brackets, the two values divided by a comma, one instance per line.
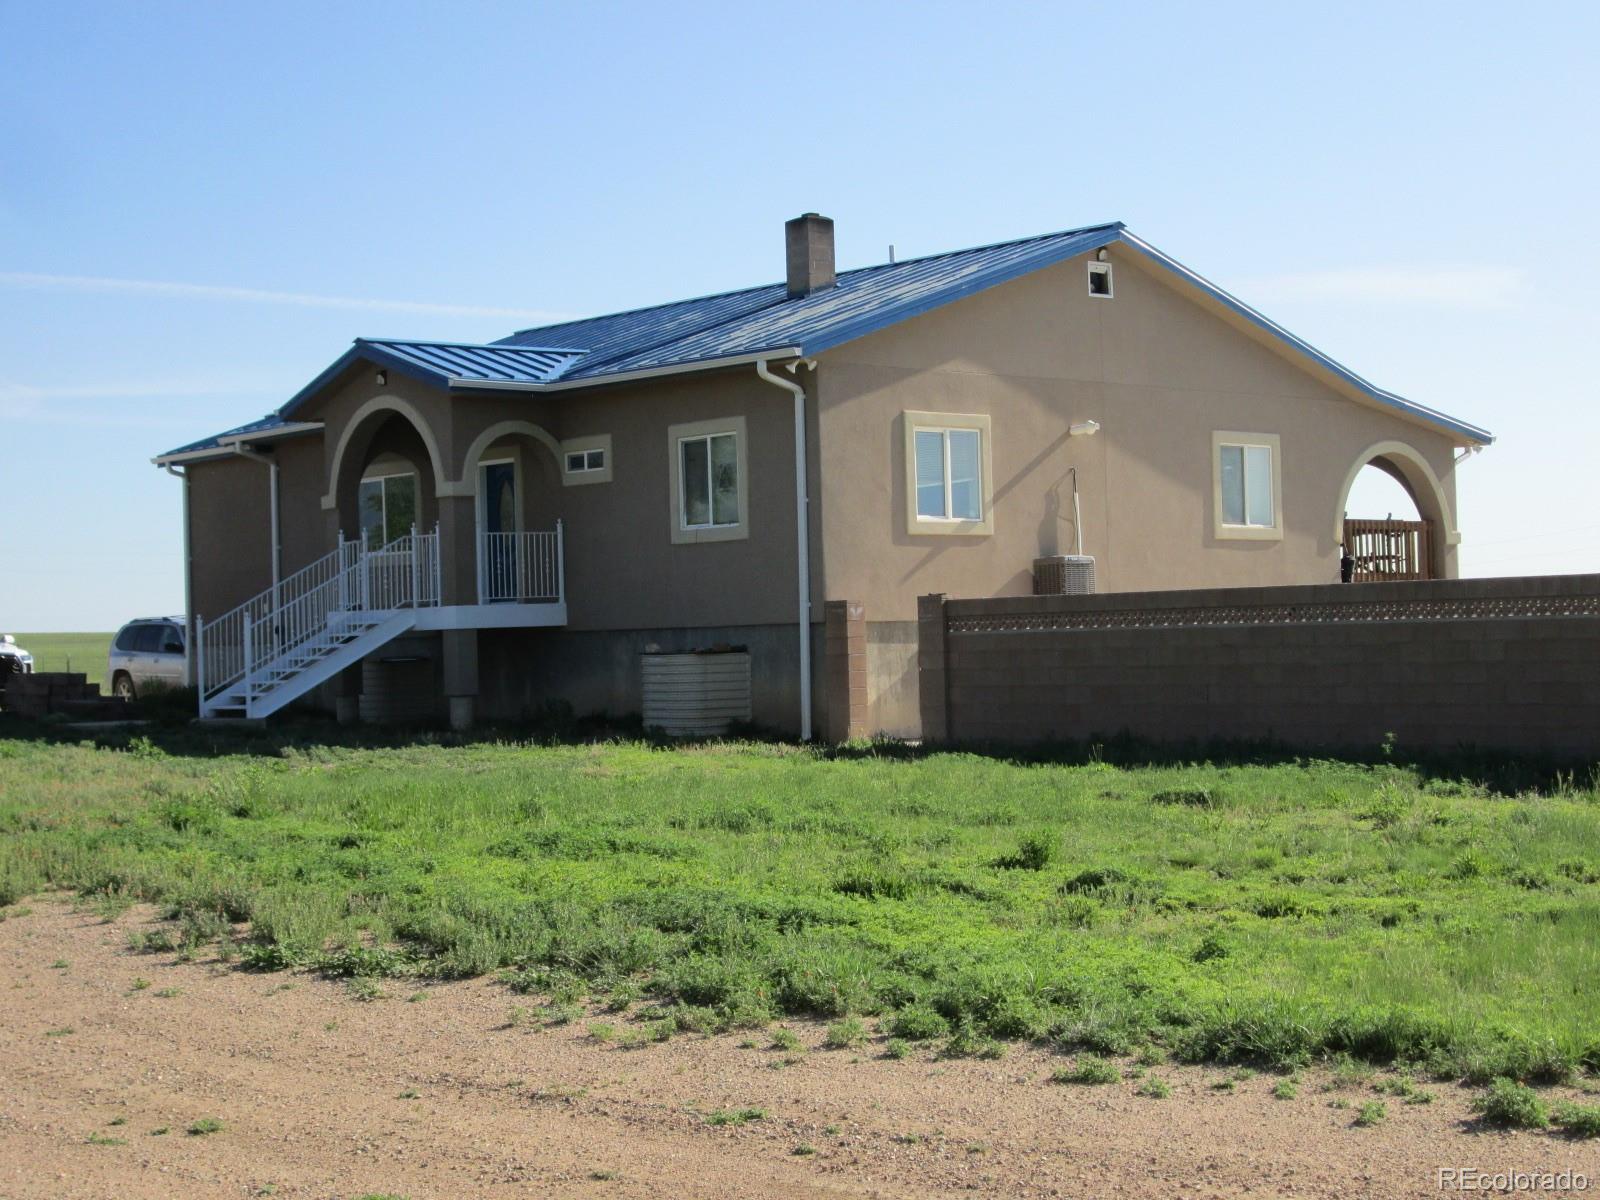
[465, 383]
[225, 445]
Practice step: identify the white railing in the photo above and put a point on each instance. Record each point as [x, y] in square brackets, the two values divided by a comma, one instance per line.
[242, 644]
[522, 568]
[220, 657]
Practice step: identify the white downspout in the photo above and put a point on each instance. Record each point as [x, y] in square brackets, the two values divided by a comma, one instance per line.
[802, 530]
[272, 501]
[188, 582]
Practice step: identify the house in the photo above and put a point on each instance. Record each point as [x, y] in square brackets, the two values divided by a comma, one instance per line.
[432, 529]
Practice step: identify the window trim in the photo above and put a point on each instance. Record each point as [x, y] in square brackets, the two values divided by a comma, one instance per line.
[382, 478]
[689, 431]
[919, 526]
[1248, 533]
[586, 445]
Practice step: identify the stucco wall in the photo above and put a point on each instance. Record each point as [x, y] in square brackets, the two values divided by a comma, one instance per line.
[231, 534]
[623, 569]
[1159, 369]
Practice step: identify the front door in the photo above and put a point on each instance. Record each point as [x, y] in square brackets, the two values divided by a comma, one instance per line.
[497, 489]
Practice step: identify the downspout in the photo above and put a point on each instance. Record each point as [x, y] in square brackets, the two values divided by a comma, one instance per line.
[272, 502]
[802, 529]
[188, 581]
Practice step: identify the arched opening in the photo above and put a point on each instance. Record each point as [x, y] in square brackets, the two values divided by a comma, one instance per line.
[1394, 522]
[385, 476]
[513, 471]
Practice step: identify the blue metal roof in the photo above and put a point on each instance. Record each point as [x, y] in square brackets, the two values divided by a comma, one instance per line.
[753, 321]
[262, 425]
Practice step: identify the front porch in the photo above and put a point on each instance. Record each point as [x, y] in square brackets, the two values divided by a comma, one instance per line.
[326, 618]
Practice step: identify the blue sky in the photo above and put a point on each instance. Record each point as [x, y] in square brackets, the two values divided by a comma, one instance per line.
[201, 205]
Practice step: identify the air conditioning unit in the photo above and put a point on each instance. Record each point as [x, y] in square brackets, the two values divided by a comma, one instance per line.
[1063, 575]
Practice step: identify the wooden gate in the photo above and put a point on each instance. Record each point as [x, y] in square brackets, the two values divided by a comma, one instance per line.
[1387, 551]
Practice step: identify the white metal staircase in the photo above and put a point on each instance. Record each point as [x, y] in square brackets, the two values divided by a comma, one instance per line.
[279, 645]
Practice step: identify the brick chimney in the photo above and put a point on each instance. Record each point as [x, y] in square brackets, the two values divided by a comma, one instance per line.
[808, 241]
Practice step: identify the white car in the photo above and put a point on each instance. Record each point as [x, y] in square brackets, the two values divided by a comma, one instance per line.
[14, 660]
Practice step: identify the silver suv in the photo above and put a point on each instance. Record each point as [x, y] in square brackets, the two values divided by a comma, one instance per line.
[144, 652]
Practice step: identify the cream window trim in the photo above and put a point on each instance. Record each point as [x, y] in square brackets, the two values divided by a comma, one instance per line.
[584, 445]
[919, 526]
[678, 434]
[1220, 528]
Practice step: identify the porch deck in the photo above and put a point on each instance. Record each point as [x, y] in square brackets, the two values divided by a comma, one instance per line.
[307, 628]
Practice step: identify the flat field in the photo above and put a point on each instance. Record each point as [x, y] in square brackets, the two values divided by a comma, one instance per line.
[84, 652]
[1276, 913]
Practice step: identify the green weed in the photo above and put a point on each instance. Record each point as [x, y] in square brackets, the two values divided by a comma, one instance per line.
[1090, 1070]
[1512, 1105]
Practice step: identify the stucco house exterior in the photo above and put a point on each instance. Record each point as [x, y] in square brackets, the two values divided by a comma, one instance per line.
[474, 531]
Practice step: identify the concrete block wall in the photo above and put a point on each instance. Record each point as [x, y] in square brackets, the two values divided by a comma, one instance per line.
[1509, 664]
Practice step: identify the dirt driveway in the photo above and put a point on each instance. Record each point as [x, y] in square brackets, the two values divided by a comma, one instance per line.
[322, 1094]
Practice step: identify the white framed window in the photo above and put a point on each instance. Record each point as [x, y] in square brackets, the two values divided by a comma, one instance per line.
[949, 484]
[388, 505]
[1247, 489]
[710, 486]
[1100, 280]
[586, 460]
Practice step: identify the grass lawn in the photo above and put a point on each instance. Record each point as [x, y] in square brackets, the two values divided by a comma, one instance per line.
[1271, 912]
[84, 652]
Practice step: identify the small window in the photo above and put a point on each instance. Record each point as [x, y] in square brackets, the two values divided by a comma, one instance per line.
[147, 639]
[1247, 485]
[1100, 279]
[128, 638]
[586, 460]
[388, 508]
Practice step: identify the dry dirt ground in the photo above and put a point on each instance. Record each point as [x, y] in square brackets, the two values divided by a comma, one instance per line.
[321, 1094]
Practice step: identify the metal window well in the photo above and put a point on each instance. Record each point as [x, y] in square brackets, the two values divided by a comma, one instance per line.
[695, 694]
[1063, 575]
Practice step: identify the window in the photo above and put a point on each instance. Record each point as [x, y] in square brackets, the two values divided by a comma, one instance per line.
[388, 508]
[586, 460]
[1246, 488]
[128, 639]
[709, 469]
[948, 475]
[949, 489]
[147, 639]
[171, 640]
[710, 488]
[1100, 279]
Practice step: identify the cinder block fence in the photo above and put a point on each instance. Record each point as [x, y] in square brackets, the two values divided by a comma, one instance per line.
[1510, 664]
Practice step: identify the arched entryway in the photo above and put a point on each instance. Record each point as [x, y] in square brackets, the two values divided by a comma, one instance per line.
[512, 471]
[1391, 545]
[386, 474]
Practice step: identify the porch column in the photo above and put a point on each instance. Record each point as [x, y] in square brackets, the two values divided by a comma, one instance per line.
[458, 550]
[347, 695]
[461, 675]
